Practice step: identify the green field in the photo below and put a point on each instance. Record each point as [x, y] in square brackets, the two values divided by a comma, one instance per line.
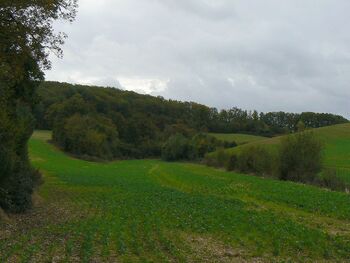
[152, 211]
[237, 137]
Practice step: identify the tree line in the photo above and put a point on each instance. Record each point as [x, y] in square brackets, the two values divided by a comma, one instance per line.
[108, 123]
[236, 120]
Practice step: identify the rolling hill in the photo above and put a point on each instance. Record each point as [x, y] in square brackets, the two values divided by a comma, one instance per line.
[336, 141]
[153, 211]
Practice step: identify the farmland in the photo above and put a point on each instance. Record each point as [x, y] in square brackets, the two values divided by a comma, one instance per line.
[153, 211]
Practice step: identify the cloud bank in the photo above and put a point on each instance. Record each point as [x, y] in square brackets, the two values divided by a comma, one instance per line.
[271, 55]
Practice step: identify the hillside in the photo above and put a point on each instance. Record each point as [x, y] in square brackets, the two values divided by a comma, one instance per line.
[336, 140]
[108, 123]
[148, 210]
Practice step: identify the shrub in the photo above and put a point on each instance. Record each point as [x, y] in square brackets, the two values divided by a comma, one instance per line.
[217, 159]
[226, 144]
[19, 189]
[201, 144]
[254, 159]
[300, 157]
[331, 180]
[175, 148]
[179, 147]
[231, 165]
[90, 136]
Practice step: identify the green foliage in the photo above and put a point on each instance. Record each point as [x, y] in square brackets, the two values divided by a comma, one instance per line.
[179, 128]
[17, 178]
[237, 138]
[284, 122]
[144, 122]
[336, 142]
[254, 159]
[91, 136]
[26, 35]
[300, 157]
[167, 117]
[330, 179]
[232, 163]
[175, 148]
[219, 158]
[201, 144]
[178, 147]
[300, 126]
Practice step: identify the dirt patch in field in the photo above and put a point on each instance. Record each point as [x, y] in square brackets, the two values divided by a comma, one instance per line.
[208, 249]
[38, 231]
[3, 217]
[41, 215]
[37, 200]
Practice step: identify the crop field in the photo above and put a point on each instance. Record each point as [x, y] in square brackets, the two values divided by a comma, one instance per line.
[153, 211]
[237, 137]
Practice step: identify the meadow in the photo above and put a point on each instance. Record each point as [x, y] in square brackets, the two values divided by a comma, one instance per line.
[153, 211]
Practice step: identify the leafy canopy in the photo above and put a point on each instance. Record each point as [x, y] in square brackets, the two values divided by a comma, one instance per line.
[27, 36]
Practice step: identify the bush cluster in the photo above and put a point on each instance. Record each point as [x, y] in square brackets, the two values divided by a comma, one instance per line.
[298, 159]
[88, 135]
[219, 159]
[253, 159]
[179, 147]
[330, 179]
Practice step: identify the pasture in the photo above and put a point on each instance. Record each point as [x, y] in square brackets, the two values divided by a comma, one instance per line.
[153, 211]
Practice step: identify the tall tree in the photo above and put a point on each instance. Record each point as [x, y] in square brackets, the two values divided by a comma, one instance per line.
[26, 39]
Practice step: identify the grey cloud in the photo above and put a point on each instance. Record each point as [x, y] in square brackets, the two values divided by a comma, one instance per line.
[291, 55]
[206, 9]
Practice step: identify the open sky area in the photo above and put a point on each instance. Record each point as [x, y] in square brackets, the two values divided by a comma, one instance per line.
[271, 55]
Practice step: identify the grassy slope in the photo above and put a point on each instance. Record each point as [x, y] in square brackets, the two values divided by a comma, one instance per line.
[148, 210]
[337, 147]
[237, 137]
[336, 140]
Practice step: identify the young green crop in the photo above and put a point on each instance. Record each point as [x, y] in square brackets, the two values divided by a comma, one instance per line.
[153, 211]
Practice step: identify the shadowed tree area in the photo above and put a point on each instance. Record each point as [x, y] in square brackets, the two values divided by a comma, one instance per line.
[26, 39]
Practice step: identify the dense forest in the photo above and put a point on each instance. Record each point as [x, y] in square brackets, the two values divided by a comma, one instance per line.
[111, 123]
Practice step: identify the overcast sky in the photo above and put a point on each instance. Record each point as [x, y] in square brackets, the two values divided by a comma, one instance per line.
[269, 55]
